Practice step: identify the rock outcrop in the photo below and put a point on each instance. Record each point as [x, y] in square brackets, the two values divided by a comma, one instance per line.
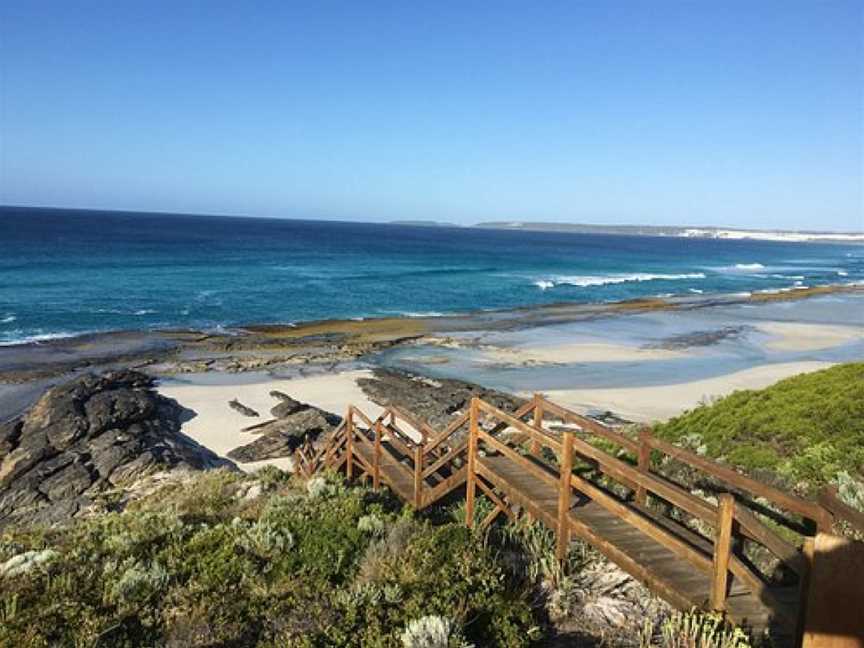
[433, 400]
[237, 406]
[294, 423]
[88, 435]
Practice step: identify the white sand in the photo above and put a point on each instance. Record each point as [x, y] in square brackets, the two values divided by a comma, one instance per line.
[660, 402]
[577, 352]
[217, 426]
[795, 336]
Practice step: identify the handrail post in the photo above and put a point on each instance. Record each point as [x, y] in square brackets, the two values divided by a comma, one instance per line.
[644, 465]
[471, 477]
[376, 468]
[418, 477]
[538, 422]
[722, 550]
[349, 443]
[565, 464]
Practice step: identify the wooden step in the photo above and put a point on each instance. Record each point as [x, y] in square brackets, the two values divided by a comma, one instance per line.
[646, 559]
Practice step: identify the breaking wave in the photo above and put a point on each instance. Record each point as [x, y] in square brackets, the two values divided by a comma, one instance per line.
[586, 281]
[35, 339]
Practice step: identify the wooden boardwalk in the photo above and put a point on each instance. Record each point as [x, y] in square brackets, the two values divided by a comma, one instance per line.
[689, 550]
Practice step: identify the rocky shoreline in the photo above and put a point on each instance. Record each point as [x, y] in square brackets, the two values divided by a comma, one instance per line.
[319, 345]
[88, 437]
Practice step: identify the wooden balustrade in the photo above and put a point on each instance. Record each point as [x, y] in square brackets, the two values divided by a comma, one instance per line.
[431, 466]
[829, 500]
[376, 475]
[722, 551]
[565, 466]
[471, 479]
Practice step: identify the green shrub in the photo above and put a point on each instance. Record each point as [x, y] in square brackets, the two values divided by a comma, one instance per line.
[802, 431]
[201, 565]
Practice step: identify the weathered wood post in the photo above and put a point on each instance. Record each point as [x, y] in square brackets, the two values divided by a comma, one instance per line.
[565, 464]
[722, 551]
[418, 477]
[807, 551]
[349, 443]
[644, 464]
[471, 477]
[538, 422]
[376, 467]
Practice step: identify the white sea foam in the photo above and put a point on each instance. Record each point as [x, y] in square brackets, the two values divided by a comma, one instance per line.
[36, 339]
[586, 281]
[842, 273]
[422, 314]
[747, 267]
[696, 291]
[145, 311]
[784, 276]
[8, 319]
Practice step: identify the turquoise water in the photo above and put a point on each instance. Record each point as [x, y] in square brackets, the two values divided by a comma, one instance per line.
[67, 272]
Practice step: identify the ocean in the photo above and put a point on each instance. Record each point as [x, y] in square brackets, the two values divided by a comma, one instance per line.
[68, 272]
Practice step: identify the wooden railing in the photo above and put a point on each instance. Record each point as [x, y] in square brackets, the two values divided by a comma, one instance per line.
[428, 464]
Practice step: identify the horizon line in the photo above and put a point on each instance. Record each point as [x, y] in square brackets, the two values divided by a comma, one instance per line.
[510, 224]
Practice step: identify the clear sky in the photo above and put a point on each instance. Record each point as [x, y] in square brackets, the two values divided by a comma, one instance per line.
[738, 113]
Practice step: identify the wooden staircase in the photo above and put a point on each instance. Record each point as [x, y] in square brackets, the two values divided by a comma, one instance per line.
[687, 549]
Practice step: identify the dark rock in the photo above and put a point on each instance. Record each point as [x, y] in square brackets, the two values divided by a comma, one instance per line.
[240, 407]
[83, 436]
[286, 408]
[436, 400]
[278, 395]
[280, 437]
[10, 432]
[702, 338]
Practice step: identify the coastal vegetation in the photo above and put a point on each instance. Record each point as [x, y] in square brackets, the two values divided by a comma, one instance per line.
[804, 432]
[226, 559]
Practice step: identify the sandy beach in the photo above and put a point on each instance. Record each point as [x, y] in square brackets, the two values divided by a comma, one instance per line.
[577, 352]
[648, 404]
[218, 427]
[794, 336]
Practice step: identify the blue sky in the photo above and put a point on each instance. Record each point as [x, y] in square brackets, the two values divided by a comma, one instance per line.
[660, 112]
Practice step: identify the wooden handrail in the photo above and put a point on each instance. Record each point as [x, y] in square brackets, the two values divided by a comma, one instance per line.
[354, 410]
[756, 529]
[589, 425]
[454, 425]
[422, 427]
[622, 471]
[792, 503]
[830, 500]
[809, 510]
[534, 433]
[514, 456]
[396, 441]
[446, 458]
[641, 522]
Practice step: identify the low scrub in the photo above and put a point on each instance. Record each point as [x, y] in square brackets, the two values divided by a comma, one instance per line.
[204, 564]
[805, 432]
